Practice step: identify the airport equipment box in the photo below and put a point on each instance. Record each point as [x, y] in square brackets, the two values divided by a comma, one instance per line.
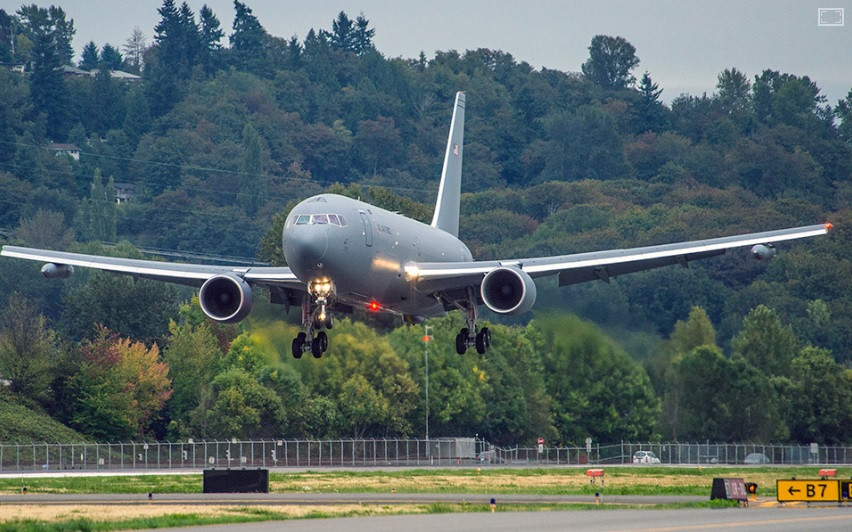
[236, 481]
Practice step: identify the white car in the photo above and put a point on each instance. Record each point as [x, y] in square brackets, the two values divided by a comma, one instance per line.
[645, 457]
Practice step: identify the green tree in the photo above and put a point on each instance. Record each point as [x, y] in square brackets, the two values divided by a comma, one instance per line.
[50, 36]
[211, 36]
[734, 91]
[135, 309]
[343, 34]
[89, 57]
[597, 389]
[765, 343]
[254, 183]
[650, 108]
[111, 57]
[193, 355]
[28, 350]
[247, 40]
[241, 407]
[820, 397]
[97, 215]
[610, 62]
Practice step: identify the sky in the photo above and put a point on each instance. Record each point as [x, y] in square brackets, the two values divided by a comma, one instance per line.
[684, 45]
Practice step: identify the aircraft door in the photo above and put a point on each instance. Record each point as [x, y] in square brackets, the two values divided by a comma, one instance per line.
[368, 228]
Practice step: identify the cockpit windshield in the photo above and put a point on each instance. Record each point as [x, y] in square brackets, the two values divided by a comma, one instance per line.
[320, 219]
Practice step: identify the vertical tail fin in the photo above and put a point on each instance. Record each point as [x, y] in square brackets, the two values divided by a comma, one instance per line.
[446, 215]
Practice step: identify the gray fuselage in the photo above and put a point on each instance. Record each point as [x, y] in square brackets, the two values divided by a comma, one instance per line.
[365, 253]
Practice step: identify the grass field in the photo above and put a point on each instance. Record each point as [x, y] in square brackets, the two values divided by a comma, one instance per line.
[546, 481]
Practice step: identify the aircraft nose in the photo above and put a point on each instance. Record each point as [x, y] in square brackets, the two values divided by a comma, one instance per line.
[309, 245]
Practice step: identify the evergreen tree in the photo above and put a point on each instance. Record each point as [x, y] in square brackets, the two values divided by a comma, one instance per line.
[651, 108]
[111, 57]
[343, 36]
[47, 88]
[89, 58]
[137, 118]
[253, 183]
[247, 41]
[97, 215]
[211, 36]
[363, 36]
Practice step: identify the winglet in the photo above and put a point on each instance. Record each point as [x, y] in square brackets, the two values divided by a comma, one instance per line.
[446, 215]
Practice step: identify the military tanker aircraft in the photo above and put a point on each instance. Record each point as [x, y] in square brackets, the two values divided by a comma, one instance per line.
[344, 254]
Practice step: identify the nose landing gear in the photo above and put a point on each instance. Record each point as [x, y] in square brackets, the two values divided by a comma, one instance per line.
[315, 316]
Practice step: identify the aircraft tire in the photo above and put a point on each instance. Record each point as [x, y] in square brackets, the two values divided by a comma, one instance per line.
[461, 343]
[486, 334]
[316, 347]
[322, 337]
[481, 346]
[297, 347]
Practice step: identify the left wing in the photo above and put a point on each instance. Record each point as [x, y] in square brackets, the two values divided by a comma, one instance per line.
[186, 274]
[602, 265]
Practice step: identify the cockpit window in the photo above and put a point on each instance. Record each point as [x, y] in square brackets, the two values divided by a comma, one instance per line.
[320, 219]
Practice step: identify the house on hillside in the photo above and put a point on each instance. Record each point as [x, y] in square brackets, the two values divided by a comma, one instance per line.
[70, 150]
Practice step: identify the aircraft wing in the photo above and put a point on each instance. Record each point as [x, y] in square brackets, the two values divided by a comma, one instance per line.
[598, 265]
[186, 274]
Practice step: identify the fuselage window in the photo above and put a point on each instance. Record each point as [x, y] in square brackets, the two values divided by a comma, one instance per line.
[303, 219]
[319, 219]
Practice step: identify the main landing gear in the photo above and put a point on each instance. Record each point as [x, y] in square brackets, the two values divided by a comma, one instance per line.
[469, 336]
[316, 318]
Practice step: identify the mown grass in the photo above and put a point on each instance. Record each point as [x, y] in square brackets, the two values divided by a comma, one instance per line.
[541, 481]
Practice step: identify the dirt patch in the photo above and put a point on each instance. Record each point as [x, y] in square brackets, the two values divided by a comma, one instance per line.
[54, 513]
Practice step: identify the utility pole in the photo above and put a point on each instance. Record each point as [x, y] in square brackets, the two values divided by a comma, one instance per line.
[426, 338]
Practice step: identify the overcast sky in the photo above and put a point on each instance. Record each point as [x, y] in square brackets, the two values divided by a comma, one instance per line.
[682, 44]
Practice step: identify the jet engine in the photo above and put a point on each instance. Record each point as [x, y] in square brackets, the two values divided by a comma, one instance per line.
[508, 291]
[226, 298]
[57, 271]
[763, 251]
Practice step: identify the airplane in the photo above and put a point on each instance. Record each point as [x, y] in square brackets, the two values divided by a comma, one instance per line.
[344, 254]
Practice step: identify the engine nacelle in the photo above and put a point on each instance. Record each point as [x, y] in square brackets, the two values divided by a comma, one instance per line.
[508, 291]
[763, 251]
[226, 298]
[57, 271]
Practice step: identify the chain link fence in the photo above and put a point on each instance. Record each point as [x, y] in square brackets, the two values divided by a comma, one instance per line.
[444, 452]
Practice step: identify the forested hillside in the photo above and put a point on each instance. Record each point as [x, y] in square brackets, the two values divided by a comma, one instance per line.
[213, 144]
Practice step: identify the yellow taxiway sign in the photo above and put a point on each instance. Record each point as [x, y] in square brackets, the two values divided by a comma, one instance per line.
[808, 490]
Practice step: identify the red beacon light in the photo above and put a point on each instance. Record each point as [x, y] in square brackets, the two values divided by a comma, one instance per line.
[828, 226]
[373, 305]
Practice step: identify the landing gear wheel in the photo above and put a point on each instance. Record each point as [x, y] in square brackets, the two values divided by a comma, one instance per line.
[461, 341]
[329, 322]
[486, 335]
[322, 337]
[298, 343]
[316, 347]
[481, 345]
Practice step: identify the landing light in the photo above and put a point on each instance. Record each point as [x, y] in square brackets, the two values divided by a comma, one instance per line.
[412, 271]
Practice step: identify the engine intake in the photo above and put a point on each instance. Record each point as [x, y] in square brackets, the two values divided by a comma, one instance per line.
[226, 298]
[508, 291]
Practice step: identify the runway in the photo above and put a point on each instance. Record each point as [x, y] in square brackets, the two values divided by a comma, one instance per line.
[784, 519]
[609, 515]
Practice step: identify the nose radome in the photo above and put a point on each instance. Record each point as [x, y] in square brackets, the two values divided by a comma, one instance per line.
[309, 244]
